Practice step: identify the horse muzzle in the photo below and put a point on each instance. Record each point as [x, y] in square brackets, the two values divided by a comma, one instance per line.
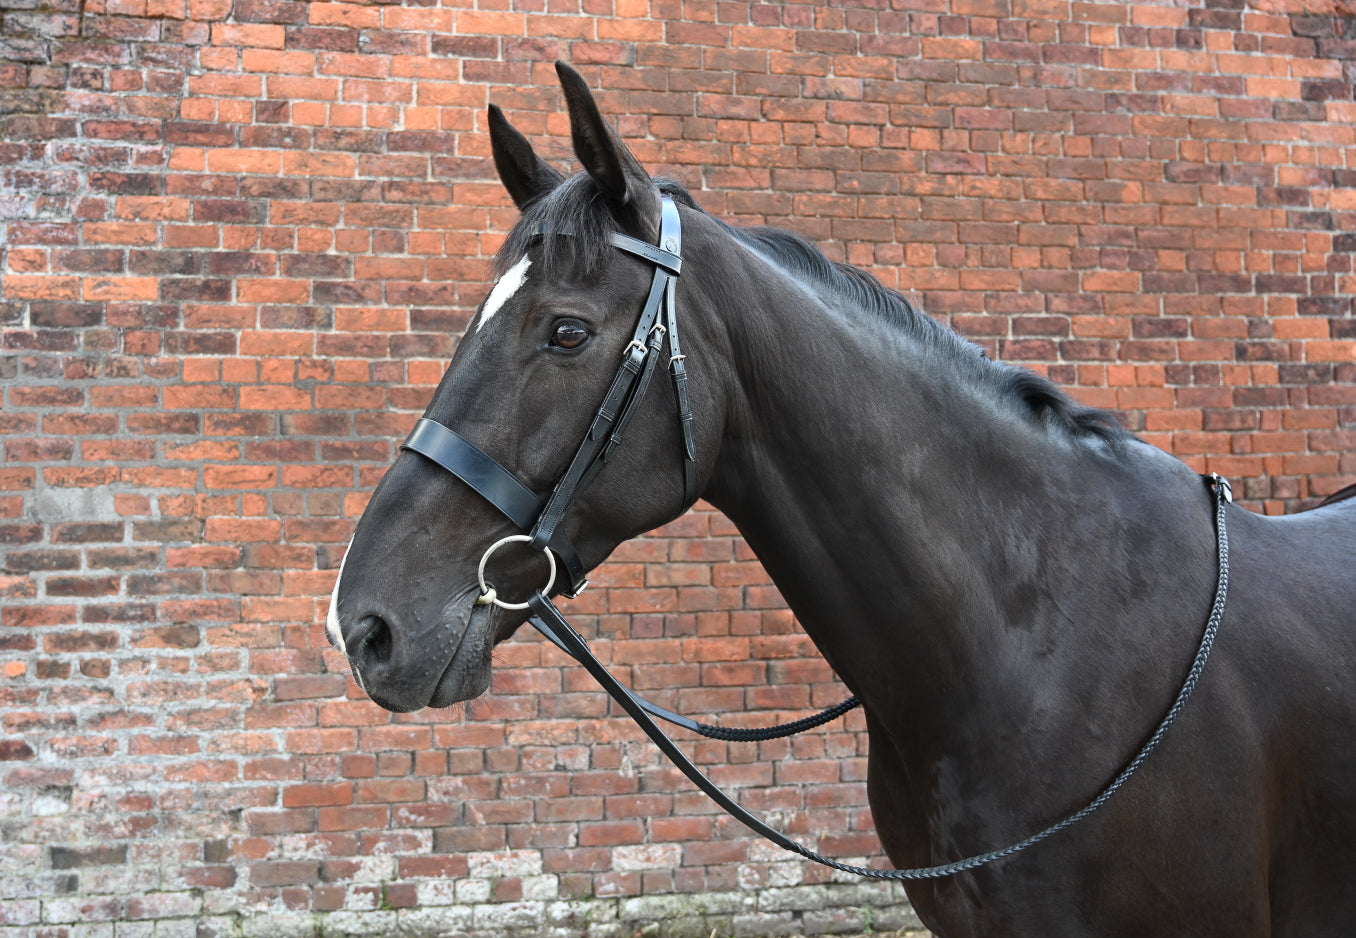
[404, 667]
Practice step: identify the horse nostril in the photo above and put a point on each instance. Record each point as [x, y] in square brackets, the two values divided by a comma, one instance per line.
[371, 642]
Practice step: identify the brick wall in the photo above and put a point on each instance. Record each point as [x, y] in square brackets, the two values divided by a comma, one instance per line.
[237, 243]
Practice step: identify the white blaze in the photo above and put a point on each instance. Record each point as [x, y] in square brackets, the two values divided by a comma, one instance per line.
[503, 291]
[332, 630]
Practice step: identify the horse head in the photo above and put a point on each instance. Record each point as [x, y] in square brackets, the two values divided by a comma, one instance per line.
[523, 389]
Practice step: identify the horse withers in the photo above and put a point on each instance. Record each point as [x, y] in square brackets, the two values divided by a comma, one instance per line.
[1012, 584]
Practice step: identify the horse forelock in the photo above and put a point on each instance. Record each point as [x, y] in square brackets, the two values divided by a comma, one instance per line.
[578, 205]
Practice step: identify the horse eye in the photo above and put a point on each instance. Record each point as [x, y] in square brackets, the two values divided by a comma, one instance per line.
[569, 334]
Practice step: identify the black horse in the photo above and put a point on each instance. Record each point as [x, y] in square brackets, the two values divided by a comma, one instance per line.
[1013, 585]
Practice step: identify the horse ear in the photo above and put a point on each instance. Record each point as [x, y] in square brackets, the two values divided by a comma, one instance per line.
[630, 191]
[525, 175]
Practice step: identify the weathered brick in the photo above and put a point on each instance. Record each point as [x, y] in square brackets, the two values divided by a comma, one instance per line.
[67, 858]
[15, 750]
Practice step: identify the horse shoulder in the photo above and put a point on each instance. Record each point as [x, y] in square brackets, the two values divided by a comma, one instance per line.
[1289, 643]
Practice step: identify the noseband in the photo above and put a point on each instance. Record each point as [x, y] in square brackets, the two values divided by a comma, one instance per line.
[540, 520]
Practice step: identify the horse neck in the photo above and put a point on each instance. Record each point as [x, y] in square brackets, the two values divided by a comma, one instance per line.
[928, 534]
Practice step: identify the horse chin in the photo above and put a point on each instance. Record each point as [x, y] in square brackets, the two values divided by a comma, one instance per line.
[467, 674]
[461, 681]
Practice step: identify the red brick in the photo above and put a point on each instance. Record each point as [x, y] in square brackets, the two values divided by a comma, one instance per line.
[391, 790]
[611, 834]
[317, 795]
[371, 817]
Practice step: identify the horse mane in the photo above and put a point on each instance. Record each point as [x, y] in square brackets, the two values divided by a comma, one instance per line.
[577, 205]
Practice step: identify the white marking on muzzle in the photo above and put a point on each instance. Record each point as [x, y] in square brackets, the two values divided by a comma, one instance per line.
[503, 291]
[332, 630]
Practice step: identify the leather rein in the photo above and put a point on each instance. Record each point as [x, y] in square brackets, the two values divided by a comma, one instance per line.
[540, 520]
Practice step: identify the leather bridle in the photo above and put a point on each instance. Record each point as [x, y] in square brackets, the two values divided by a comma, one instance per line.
[540, 519]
